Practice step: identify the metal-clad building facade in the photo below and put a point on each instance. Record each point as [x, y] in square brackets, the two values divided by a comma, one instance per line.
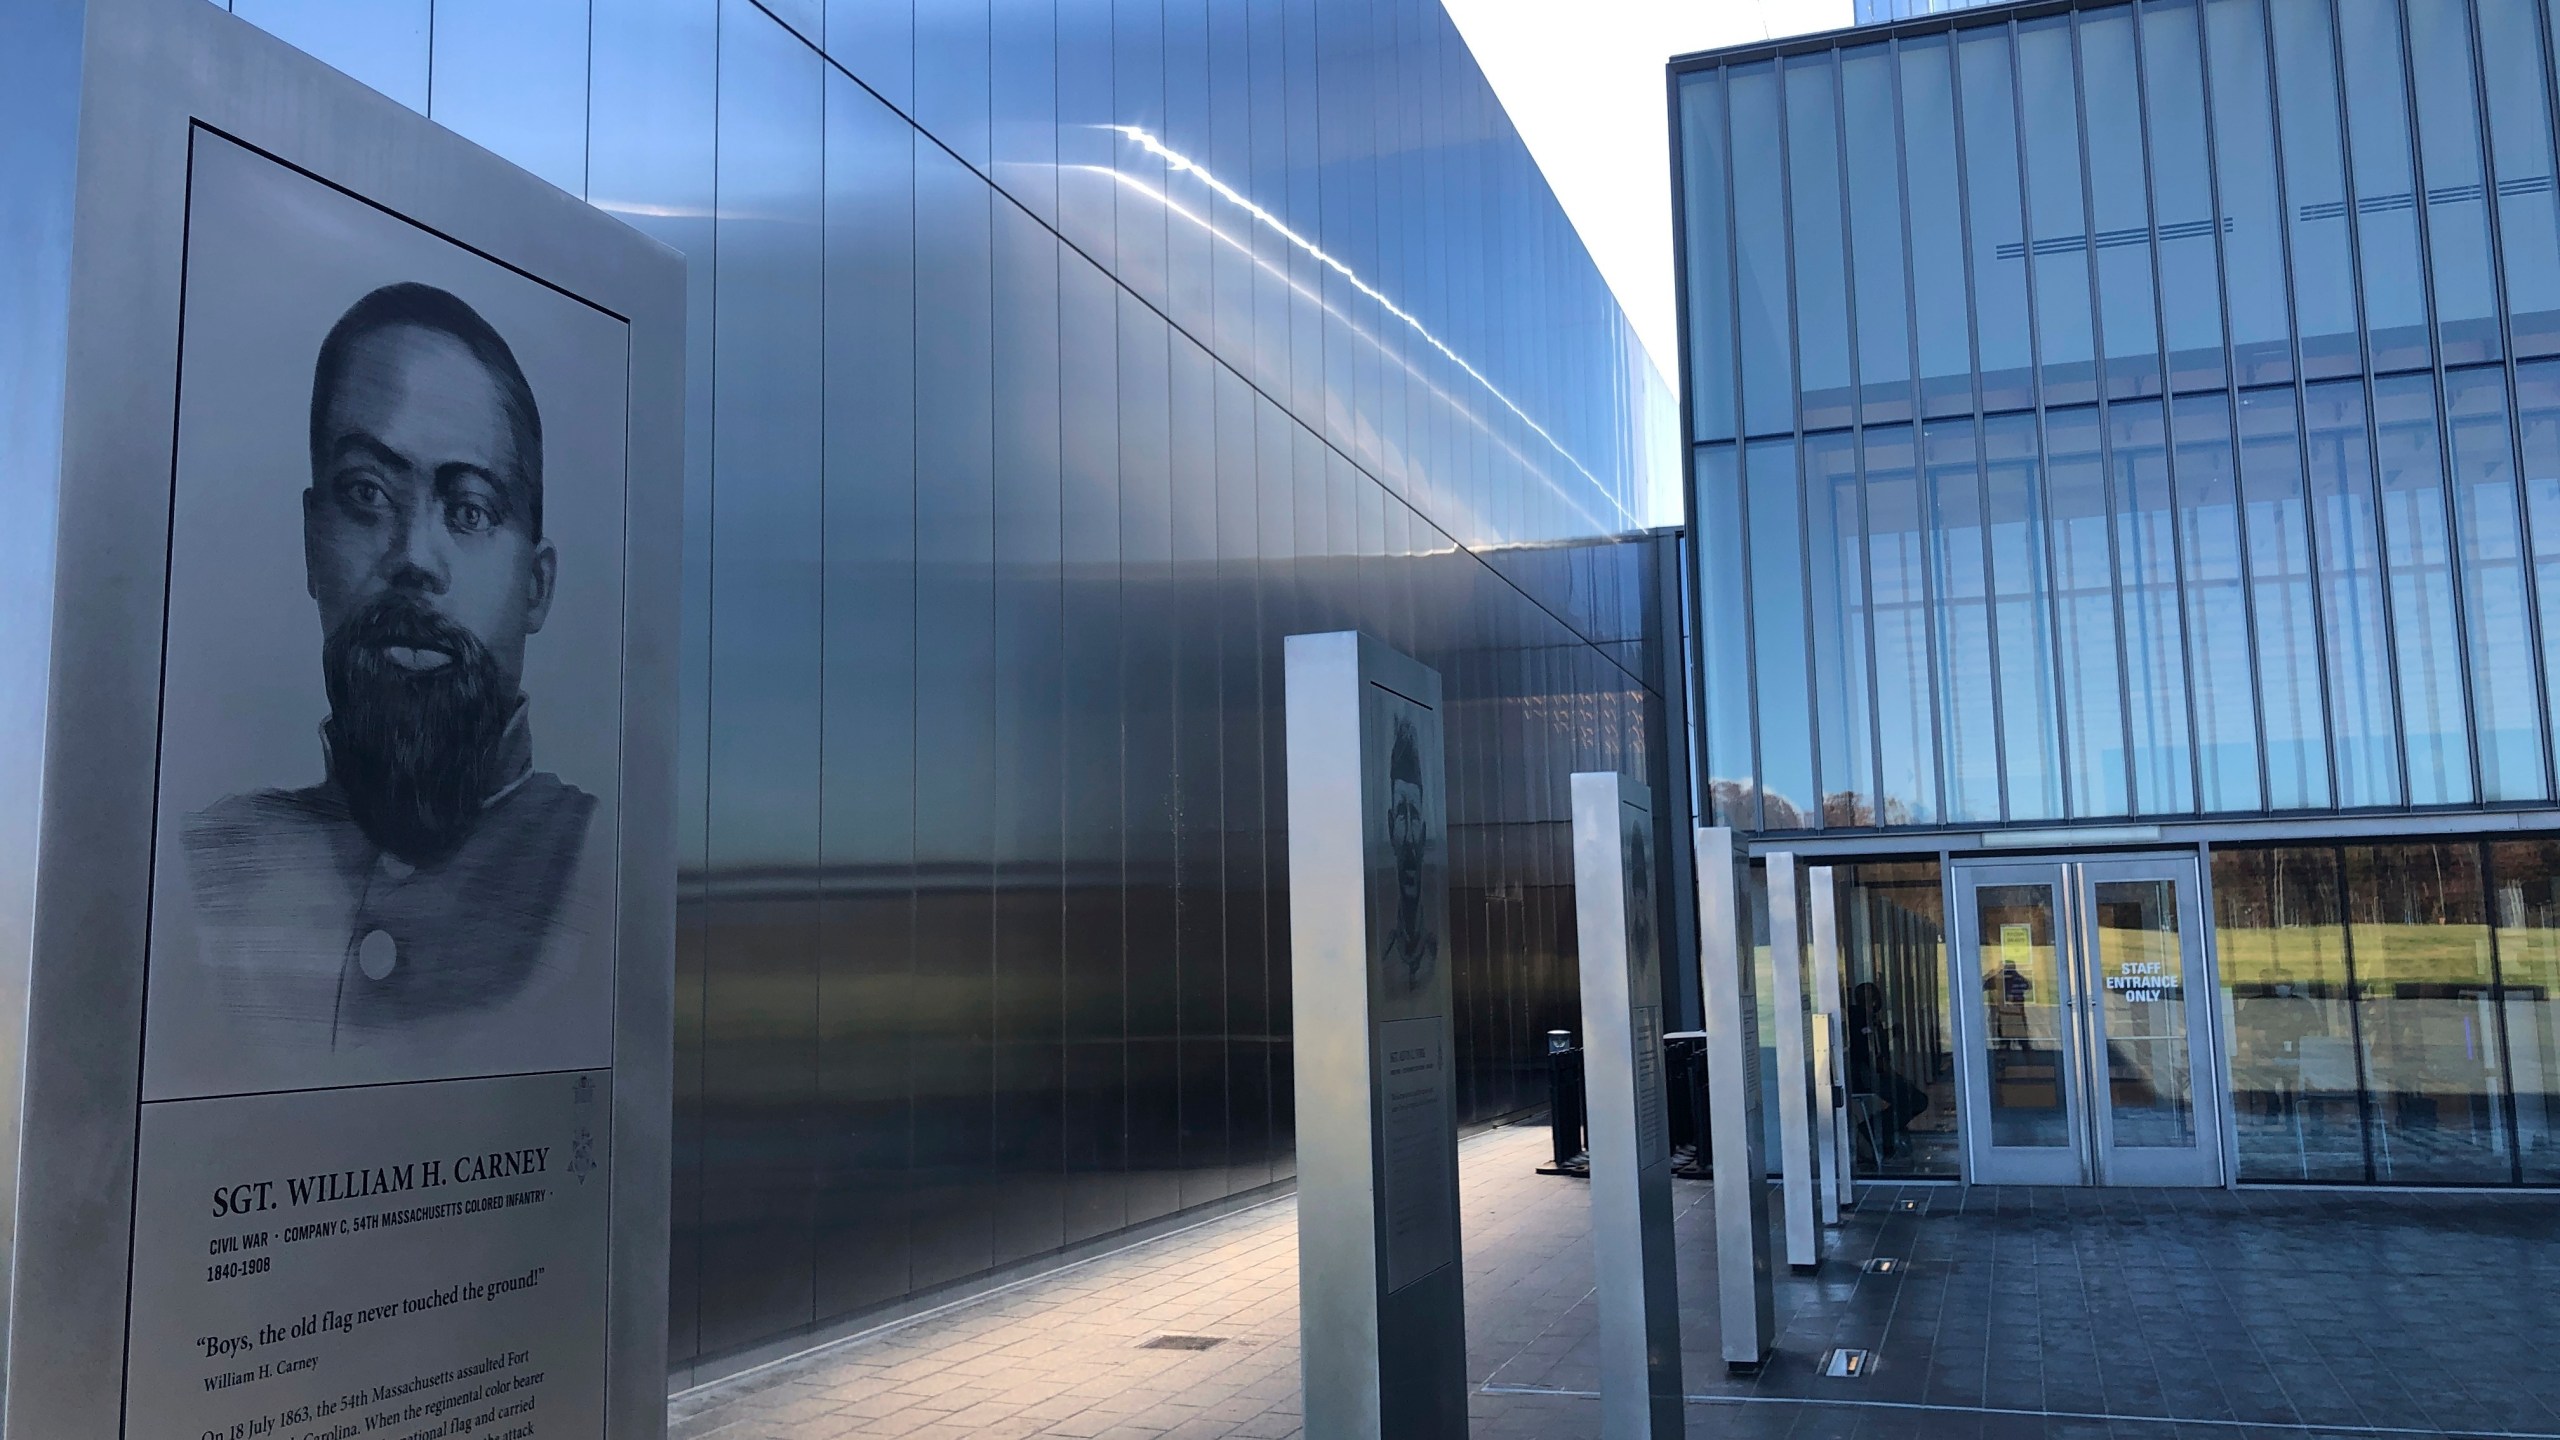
[1052, 359]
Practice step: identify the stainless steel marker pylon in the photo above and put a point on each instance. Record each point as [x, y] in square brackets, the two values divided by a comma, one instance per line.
[1626, 1109]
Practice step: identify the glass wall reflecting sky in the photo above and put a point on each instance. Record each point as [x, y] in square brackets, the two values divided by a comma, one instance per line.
[2150, 397]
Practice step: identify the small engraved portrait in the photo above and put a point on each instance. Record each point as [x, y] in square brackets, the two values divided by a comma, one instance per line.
[430, 874]
[1412, 951]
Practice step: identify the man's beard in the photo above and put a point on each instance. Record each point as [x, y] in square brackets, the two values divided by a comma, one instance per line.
[415, 752]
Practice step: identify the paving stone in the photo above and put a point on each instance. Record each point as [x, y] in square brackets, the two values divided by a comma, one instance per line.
[2127, 1315]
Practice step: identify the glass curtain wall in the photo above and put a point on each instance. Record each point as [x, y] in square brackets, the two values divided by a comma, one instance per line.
[1898, 1074]
[2184, 357]
[1901, 1068]
[2388, 1010]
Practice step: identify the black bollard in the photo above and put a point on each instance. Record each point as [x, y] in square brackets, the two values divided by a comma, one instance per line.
[1693, 1082]
[1565, 1108]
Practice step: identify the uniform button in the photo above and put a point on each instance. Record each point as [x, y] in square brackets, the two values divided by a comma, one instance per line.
[377, 954]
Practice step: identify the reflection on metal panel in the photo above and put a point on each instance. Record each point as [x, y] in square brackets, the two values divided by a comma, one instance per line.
[1029, 690]
[383, 45]
[866, 706]
[760, 973]
[653, 84]
[1017, 442]
[951, 1062]
[512, 75]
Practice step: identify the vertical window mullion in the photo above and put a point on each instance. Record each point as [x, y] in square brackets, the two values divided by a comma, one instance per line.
[1981, 451]
[2355, 1008]
[1938, 699]
[2301, 421]
[2168, 398]
[1795, 350]
[1741, 473]
[1691, 623]
[2231, 400]
[2106, 426]
[2532, 592]
[1867, 631]
[1866, 525]
[2458, 580]
[2498, 1006]
[2373, 449]
[1848, 241]
[1991, 613]
[1812, 651]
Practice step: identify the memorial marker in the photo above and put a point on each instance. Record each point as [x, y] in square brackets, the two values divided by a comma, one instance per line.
[1796, 1179]
[1830, 1057]
[1745, 1300]
[1635, 1279]
[1382, 1323]
[343, 653]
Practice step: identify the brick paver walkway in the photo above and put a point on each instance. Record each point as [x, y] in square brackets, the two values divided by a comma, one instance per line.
[2015, 1315]
[1062, 1355]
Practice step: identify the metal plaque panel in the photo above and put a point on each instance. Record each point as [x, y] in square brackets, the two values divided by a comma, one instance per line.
[1382, 1319]
[353, 880]
[1417, 1162]
[373, 1261]
[1630, 1137]
[1746, 1300]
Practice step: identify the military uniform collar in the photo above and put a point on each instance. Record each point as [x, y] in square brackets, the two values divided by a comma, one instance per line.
[515, 754]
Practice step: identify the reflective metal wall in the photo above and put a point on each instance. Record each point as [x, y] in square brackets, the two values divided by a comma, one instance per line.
[2126, 409]
[1052, 359]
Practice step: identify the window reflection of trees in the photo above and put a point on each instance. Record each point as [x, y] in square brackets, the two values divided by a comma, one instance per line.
[2387, 1010]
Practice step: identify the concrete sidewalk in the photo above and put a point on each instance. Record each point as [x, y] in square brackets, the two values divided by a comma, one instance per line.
[2017, 1315]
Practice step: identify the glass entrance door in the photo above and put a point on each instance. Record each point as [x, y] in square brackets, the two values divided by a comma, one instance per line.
[2088, 1058]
